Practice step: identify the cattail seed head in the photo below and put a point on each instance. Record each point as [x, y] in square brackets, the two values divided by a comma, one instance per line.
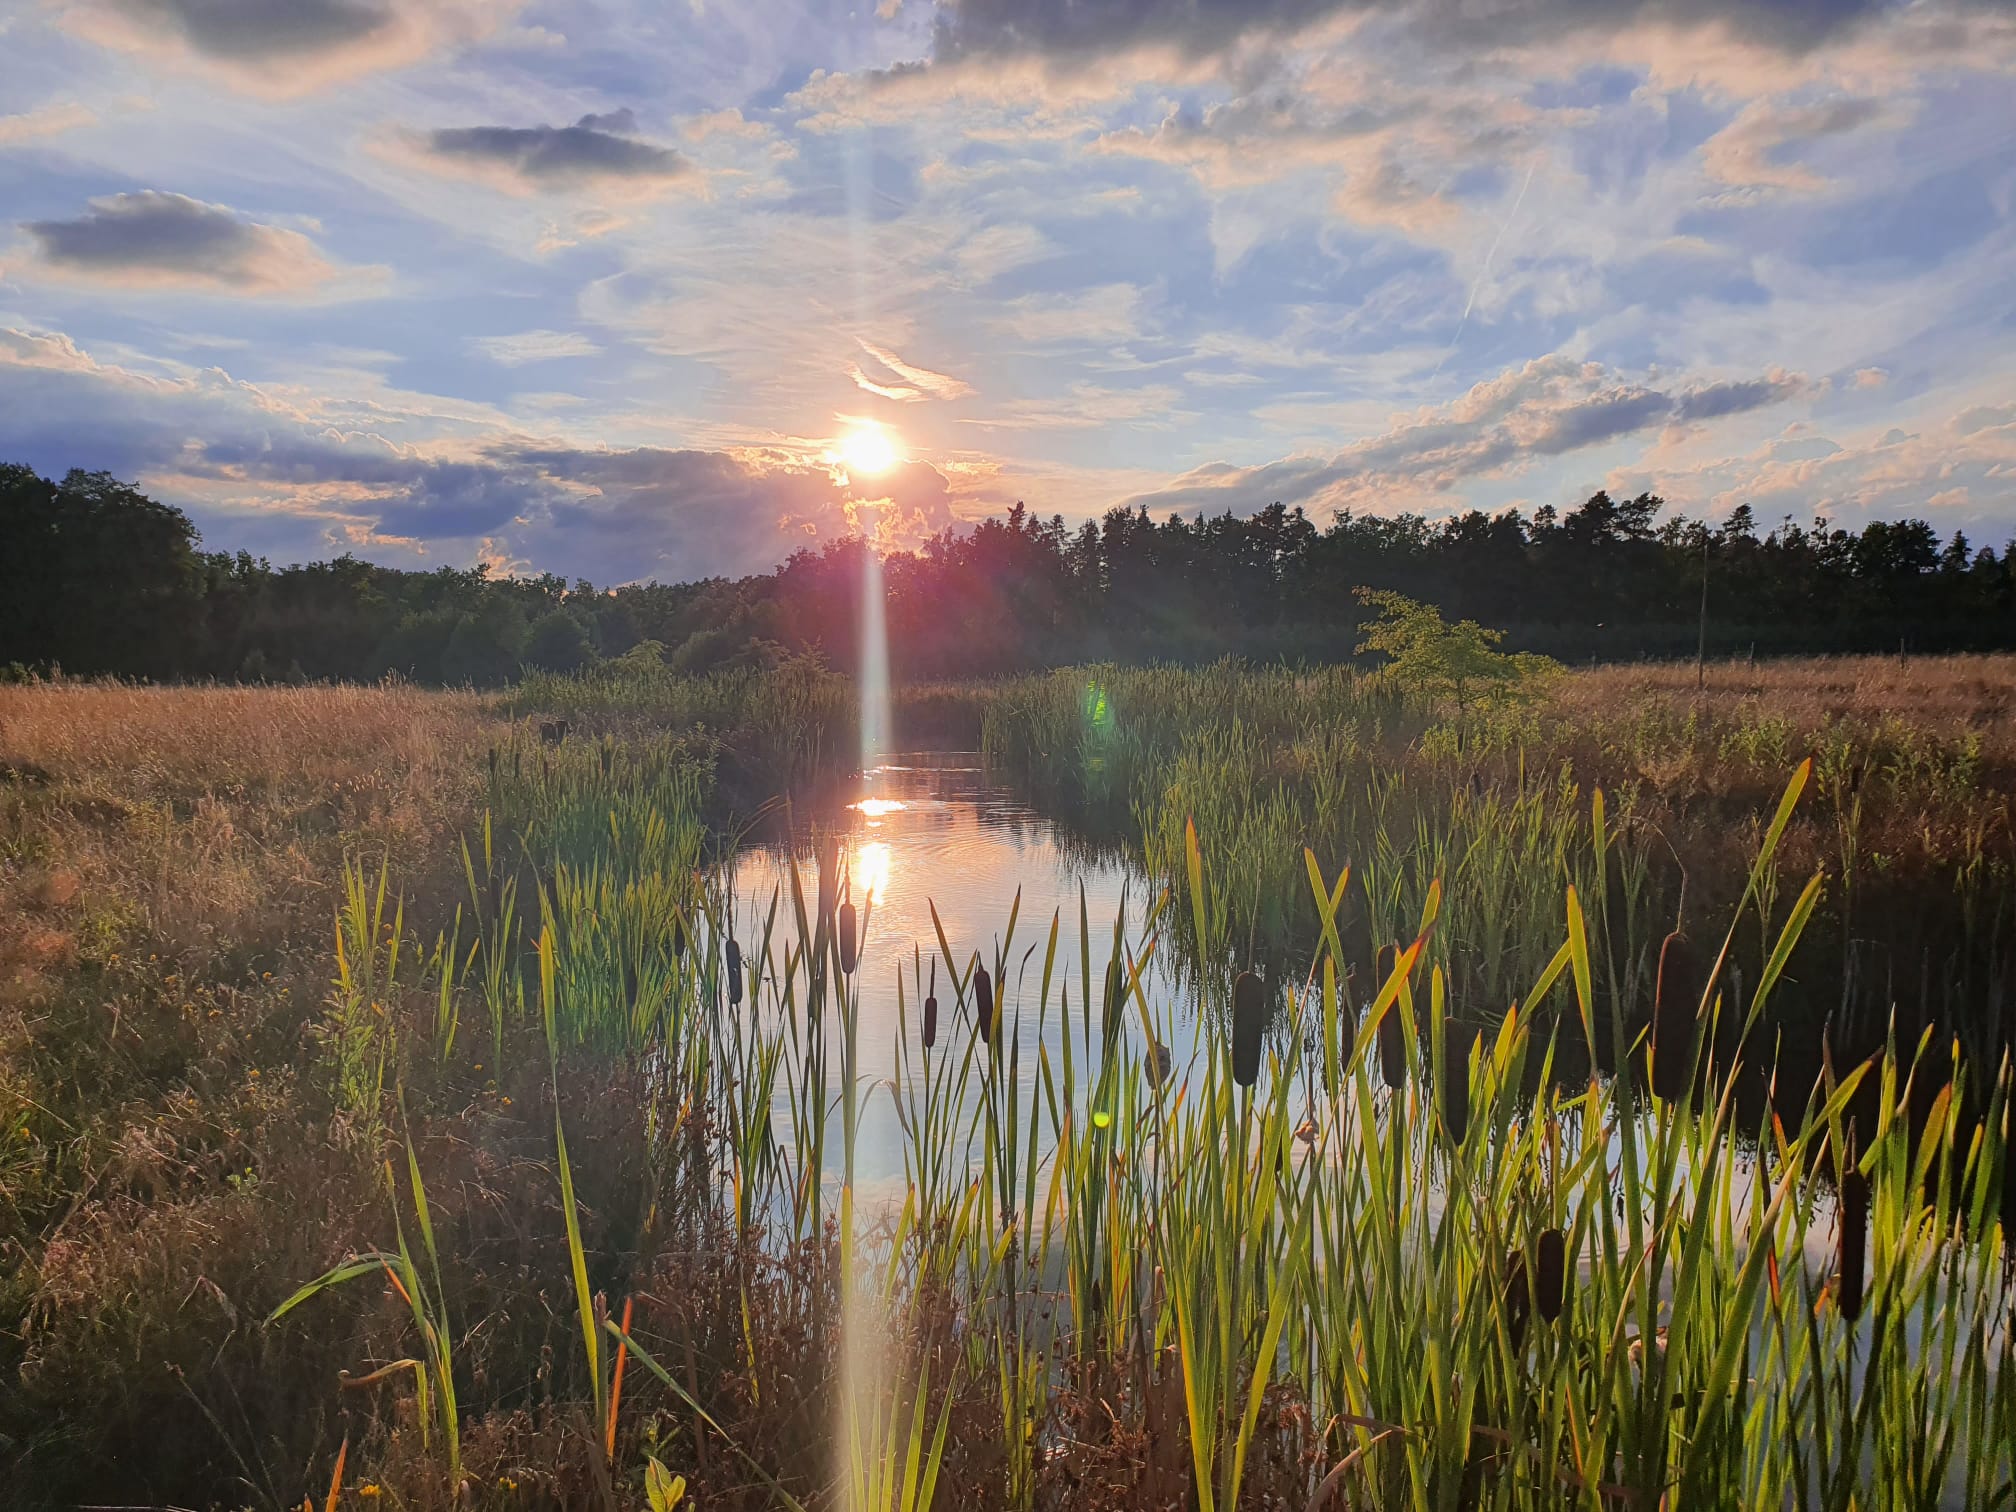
[829, 881]
[1160, 1062]
[930, 1021]
[1392, 1038]
[734, 955]
[678, 936]
[1551, 1262]
[1248, 1024]
[1518, 1296]
[1852, 1230]
[983, 1003]
[850, 944]
[1456, 1043]
[1675, 1002]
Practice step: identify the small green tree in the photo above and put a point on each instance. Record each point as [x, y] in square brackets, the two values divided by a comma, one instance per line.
[558, 642]
[1444, 663]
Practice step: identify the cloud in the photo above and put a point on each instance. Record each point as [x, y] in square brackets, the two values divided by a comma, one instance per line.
[1546, 408]
[279, 48]
[596, 152]
[522, 347]
[1083, 30]
[912, 384]
[153, 238]
[1962, 466]
[1106, 313]
[1745, 154]
[1089, 406]
[300, 476]
[46, 120]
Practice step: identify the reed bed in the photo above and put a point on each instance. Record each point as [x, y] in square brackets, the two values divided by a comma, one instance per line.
[546, 1188]
[1285, 1271]
[1911, 814]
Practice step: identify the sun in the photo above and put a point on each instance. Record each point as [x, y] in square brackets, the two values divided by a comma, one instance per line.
[869, 450]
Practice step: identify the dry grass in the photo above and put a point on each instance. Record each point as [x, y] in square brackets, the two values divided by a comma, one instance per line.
[213, 821]
[170, 861]
[1938, 694]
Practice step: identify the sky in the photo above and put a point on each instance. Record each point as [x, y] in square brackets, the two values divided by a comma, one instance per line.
[612, 288]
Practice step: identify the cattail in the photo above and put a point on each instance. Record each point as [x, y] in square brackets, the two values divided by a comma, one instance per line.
[1456, 1045]
[1347, 1029]
[493, 763]
[930, 1021]
[678, 937]
[829, 882]
[1160, 1062]
[1248, 1024]
[1851, 1230]
[1676, 1001]
[1551, 1259]
[1392, 1038]
[734, 954]
[850, 946]
[1116, 988]
[983, 1002]
[1518, 1296]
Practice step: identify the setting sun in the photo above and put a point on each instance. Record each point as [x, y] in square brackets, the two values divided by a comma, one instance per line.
[868, 450]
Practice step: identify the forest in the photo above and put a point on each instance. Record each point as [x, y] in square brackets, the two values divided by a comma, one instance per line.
[98, 579]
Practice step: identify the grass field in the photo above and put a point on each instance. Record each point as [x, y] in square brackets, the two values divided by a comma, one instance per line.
[372, 986]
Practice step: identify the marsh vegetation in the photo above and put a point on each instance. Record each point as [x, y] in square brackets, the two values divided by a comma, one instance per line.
[388, 1121]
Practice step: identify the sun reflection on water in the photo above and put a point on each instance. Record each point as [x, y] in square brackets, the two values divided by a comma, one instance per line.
[869, 870]
[875, 808]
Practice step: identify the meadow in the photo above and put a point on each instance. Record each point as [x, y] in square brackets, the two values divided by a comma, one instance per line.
[385, 1118]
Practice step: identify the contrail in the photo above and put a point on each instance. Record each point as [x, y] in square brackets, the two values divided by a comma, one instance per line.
[1485, 272]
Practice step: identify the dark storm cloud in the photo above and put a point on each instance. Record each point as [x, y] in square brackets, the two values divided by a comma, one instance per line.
[154, 237]
[596, 148]
[1083, 29]
[244, 30]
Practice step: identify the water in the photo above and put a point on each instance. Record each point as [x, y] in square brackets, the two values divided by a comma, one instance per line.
[929, 829]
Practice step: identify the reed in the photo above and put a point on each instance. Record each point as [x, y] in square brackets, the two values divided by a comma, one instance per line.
[1476, 1283]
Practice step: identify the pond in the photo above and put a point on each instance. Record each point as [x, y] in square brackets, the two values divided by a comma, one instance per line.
[931, 830]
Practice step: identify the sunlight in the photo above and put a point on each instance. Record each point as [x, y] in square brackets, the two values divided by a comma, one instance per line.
[869, 871]
[869, 450]
[875, 808]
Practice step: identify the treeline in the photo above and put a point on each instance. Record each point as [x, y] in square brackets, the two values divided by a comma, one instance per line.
[96, 578]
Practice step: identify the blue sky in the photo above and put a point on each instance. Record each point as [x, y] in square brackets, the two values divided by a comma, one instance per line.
[601, 288]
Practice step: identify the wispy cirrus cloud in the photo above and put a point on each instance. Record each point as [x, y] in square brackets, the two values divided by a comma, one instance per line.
[44, 121]
[902, 381]
[521, 347]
